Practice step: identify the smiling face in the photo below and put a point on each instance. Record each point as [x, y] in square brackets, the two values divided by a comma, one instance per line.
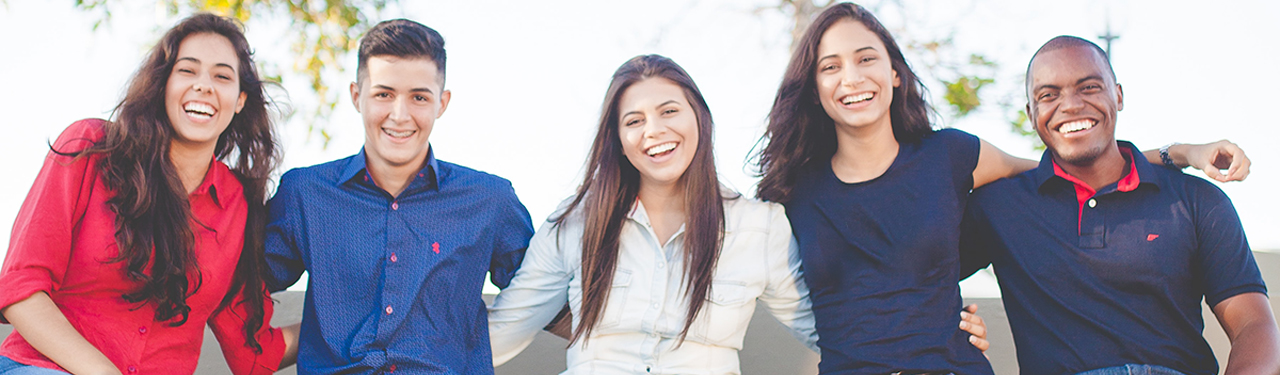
[855, 77]
[658, 130]
[1074, 101]
[399, 100]
[203, 91]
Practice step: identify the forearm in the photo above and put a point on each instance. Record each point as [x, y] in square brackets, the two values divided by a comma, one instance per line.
[290, 345]
[43, 325]
[1177, 154]
[1256, 350]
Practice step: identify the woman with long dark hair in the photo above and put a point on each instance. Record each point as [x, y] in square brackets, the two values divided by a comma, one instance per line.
[137, 233]
[876, 195]
[660, 265]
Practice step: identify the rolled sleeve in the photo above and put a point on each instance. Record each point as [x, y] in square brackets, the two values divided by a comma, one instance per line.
[228, 324]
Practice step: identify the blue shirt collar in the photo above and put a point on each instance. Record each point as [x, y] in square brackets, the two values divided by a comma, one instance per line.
[1146, 172]
[357, 168]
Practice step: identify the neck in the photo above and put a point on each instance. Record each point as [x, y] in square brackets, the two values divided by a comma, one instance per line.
[665, 205]
[661, 199]
[863, 153]
[1104, 170]
[191, 164]
[393, 178]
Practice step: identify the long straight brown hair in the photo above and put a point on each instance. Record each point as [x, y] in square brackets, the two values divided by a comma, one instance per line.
[153, 215]
[610, 188]
[800, 132]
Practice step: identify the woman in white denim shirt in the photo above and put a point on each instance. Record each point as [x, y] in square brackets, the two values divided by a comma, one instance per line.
[649, 217]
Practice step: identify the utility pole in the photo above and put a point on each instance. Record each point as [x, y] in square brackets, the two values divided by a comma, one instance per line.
[1108, 37]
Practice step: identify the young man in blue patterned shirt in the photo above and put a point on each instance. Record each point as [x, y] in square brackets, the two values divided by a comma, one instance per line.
[396, 242]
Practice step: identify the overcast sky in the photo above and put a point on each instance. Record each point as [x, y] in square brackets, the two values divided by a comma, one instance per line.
[528, 77]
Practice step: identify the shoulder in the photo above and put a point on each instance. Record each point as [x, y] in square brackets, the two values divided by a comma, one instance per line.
[951, 135]
[953, 139]
[1194, 189]
[453, 176]
[81, 135]
[1003, 188]
[298, 178]
[742, 213]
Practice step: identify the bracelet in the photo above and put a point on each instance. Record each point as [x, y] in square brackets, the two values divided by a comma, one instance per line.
[1164, 156]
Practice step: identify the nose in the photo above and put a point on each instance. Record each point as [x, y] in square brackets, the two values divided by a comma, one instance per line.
[203, 84]
[1071, 102]
[852, 76]
[655, 127]
[400, 109]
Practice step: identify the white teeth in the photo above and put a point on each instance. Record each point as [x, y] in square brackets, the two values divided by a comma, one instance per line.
[1075, 126]
[856, 98]
[660, 148]
[200, 108]
[397, 134]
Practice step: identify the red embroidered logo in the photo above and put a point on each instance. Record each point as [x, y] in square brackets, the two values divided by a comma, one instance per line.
[435, 246]
[1152, 237]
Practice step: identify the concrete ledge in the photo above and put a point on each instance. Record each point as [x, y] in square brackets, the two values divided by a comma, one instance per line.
[769, 349]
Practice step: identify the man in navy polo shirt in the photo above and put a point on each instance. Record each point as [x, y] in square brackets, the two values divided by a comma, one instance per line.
[1118, 290]
[396, 242]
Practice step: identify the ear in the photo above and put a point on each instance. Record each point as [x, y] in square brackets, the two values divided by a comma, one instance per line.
[1119, 98]
[240, 101]
[896, 81]
[355, 95]
[445, 96]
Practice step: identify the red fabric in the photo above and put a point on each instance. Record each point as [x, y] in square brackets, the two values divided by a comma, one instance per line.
[62, 241]
[1083, 192]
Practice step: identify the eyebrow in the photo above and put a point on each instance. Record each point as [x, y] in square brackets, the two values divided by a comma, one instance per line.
[197, 61]
[657, 106]
[1078, 81]
[854, 51]
[415, 89]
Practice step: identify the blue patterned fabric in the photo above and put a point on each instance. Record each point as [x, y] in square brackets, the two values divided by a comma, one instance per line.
[395, 282]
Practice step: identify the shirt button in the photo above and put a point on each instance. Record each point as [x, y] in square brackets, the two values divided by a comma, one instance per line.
[142, 330]
[389, 310]
[395, 205]
[1093, 203]
[132, 369]
[394, 258]
[655, 305]
[660, 265]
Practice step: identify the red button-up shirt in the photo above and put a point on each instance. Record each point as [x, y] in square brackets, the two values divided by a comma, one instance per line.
[62, 243]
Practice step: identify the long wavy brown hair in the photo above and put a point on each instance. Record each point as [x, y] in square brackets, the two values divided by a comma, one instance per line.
[801, 133]
[153, 216]
[611, 186]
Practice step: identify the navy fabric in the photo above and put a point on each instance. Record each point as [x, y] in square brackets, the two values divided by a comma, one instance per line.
[881, 259]
[395, 283]
[1131, 291]
[11, 367]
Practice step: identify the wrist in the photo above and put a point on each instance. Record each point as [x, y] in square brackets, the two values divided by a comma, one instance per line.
[1167, 159]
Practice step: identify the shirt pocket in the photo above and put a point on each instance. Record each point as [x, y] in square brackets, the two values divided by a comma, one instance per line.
[616, 305]
[723, 315]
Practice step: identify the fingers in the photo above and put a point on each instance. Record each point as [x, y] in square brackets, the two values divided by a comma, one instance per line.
[981, 344]
[1239, 167]
[973, 324]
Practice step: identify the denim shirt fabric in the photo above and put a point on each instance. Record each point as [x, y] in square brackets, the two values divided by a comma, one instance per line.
[395, 282]
[645, 311]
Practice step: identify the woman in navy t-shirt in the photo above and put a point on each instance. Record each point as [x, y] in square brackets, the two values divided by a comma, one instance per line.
[875, 197]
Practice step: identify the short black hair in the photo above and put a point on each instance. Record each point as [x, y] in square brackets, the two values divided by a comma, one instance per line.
[401, 38]
[1064, 41]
